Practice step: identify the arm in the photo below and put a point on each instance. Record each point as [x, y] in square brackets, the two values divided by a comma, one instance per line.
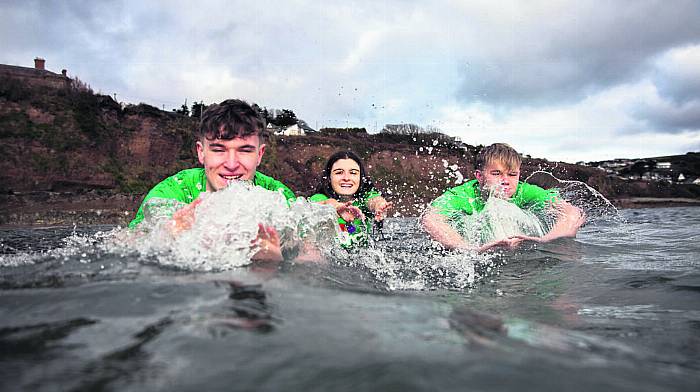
[379, 207]
[569, 219]
[441, 231]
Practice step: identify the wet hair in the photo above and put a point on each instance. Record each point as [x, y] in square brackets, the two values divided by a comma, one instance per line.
[324, 187]
[500, 152]
[230, 119]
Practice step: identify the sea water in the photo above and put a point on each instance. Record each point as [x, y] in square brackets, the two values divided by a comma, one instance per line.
[617, 308]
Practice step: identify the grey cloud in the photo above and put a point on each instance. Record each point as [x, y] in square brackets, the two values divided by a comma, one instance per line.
[677, 88]
[671, 118]
[583, 51]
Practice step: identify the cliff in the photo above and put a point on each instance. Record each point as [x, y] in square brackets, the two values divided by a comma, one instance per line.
[69, 155]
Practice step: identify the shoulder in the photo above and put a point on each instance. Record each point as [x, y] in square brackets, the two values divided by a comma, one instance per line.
[468, 189]
[318, 197]
[183, 185]
[464, 197]
[370, 194]
[193, 174]
[527, 193]
[269, 183]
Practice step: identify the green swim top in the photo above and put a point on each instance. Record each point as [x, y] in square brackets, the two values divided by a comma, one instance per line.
[186, 186]
[467, 199]
[356, 232]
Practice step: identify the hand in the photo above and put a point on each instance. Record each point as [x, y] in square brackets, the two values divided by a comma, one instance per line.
[268, 240]
[183, 219]
[528, 238]
[510, 243]
[382, 209]
[349, 212]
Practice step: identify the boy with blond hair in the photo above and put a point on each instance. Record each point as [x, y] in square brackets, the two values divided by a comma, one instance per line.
[497, 175]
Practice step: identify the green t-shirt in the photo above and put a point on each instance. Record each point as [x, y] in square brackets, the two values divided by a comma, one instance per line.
[467, 199]
[185, 187]
[357, 232]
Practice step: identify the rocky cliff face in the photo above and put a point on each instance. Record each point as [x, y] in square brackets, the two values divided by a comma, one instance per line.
[60, 139]
[78, 146]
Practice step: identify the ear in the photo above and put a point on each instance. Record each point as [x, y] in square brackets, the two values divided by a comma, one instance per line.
[479, 176]
[261, 152]
[200, 152]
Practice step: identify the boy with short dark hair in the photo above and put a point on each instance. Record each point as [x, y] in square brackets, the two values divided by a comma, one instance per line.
[497, 175]
[230, 147]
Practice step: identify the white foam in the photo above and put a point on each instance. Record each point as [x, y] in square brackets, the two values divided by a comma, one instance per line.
[226, 225]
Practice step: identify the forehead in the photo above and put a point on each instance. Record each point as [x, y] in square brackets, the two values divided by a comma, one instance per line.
[497, 164]
[346, 164]
[235, 142]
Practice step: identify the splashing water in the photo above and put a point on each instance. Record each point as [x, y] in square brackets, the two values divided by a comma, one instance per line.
[597, 208]
[226, 223]
[226, 226]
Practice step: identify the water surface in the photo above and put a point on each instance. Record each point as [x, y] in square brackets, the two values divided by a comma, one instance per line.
[616, 309]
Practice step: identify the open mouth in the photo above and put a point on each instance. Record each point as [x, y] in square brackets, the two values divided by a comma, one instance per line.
[229, 179]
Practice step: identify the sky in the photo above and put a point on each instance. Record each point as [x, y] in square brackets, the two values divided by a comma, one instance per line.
[563, 80]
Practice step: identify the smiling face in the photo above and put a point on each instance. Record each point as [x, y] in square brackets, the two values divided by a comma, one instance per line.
[498, 179]
[229, 160]
[345, 177]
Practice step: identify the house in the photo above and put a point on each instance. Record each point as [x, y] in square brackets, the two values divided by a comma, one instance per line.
[292, 130]
[37, 76]
[298, 129]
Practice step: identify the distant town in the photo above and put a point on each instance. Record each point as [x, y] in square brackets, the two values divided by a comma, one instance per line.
[676, 169]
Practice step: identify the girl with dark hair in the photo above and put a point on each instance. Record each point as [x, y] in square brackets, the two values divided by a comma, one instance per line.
[346, 186]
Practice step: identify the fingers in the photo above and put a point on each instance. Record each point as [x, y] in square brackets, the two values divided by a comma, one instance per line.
[269, 242]
[266, 234]
[183, 219]
[382, 210]
[349, 212]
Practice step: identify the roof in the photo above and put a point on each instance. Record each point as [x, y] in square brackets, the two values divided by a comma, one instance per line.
[27, 71]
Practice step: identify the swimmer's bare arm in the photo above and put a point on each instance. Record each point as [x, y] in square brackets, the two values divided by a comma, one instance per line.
[569, 219]
[379, 206]
[441, 231]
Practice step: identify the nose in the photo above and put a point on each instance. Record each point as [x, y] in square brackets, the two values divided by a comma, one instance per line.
[231, 161]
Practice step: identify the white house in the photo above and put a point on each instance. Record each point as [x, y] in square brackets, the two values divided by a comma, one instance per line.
[292, 130]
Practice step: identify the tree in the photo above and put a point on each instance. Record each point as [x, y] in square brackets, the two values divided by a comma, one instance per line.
[184, 110]
[403, 129]
[198, 108]
[285, 118]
